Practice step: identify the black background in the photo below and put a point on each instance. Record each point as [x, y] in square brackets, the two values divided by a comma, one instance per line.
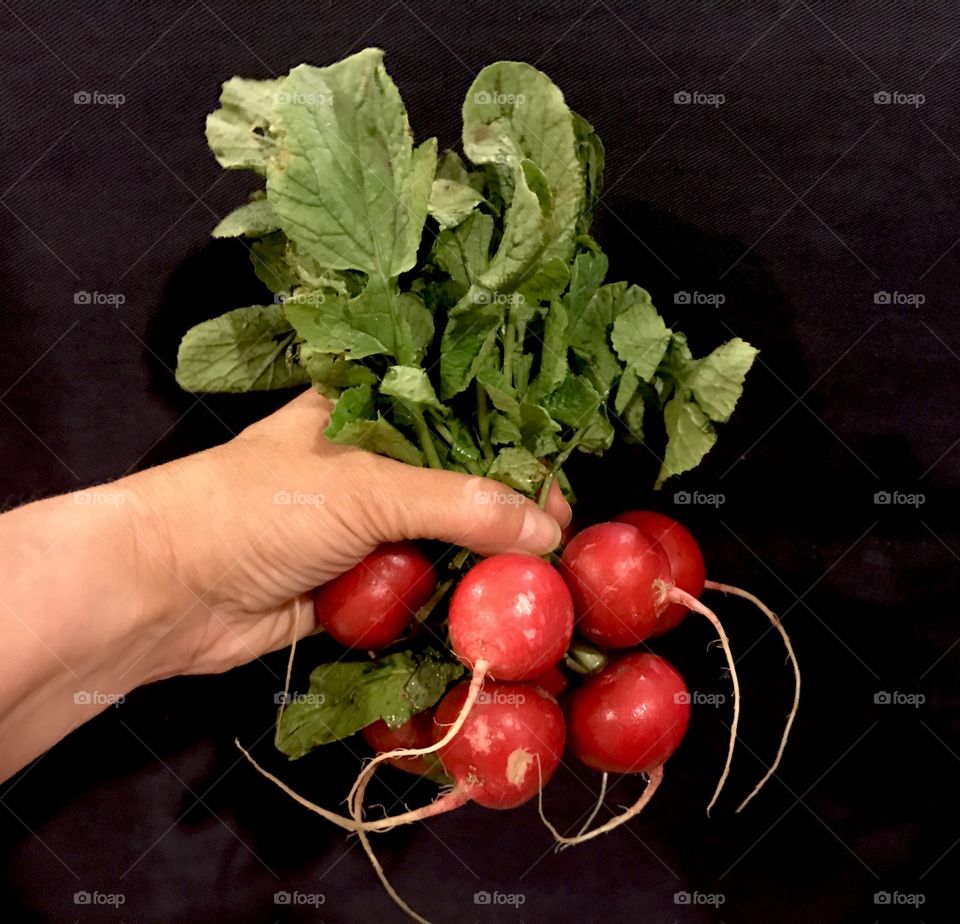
[798, 199]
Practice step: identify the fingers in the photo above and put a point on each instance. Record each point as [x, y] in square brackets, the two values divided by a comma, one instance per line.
[558, 507]
[478, 513]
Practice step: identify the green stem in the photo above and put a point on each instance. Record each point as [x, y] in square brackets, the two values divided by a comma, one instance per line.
[460, 559]
[425, 437]
[483, 419]
[509, 344]
[471, 465]
[423, 614]
[572, 444]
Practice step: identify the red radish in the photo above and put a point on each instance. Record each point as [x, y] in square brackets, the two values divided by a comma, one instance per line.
[553, 680]
[500, 754]
[511, 617]
[687, 567]
[618, 577]
[621, 583]
[372, 604]
[689, 574]
[629, 718]
[512, 612]
[512, 730]
[416, 732]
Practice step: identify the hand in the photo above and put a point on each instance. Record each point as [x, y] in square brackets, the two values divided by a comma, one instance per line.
[232, 540]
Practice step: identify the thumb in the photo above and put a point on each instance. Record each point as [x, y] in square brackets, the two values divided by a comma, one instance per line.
[481, 514]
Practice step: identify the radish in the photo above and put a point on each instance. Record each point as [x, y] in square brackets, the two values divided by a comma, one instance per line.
[629, 718]
[510, 617]
[507, 742]
[687, 567]
[689, 573]
[514, 614]
[553, 680]
[416, 732]
[622, 584]
[371, 605]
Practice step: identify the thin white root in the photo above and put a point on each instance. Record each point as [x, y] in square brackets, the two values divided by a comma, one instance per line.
[382, 876]
[593, 813]
[293, 650]
[676, 595]
[775, 622]
[654, 778]
[346, 823]
[476, 684]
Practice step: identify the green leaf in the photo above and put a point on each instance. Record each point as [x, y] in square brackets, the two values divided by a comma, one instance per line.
[346, 182]
[632, 417]
[464, 253]
[521, 246]
[690, 436]
[717, 380]
[589, 337]
[240, 133]
[411, 384]
[268, 255]
[451, 202]
[578, 405]
[504, 431]
[247, 349]
[470, 328]
[538, 430]
[514, 112]
[591, 155]
[349, 695]
[398, 320]
[330, 374]
[326, 327]
[549, 281]
[501, 394]
[639, 335]
[553, 353]
[355, 422]
[253, 219]
[586, 275]
[519, 469]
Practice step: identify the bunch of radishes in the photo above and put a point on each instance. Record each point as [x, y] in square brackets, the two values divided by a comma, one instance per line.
[501, 735]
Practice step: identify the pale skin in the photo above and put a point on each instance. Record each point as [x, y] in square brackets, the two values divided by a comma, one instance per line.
[202, 564]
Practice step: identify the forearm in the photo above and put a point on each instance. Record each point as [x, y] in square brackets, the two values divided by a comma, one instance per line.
[78, 617]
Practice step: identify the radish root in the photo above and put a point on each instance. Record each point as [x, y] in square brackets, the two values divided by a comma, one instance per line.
[594, 812]
[676, 595]
[476, 684]
[654, 778]
[775, 622]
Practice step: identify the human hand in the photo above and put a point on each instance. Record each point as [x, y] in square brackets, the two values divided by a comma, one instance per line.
[232, 540]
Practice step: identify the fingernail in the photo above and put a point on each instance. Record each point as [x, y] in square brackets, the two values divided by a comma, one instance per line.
[567, 516]
[540, 532]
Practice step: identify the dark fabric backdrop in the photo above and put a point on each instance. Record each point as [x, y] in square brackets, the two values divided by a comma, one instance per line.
[798, 199]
